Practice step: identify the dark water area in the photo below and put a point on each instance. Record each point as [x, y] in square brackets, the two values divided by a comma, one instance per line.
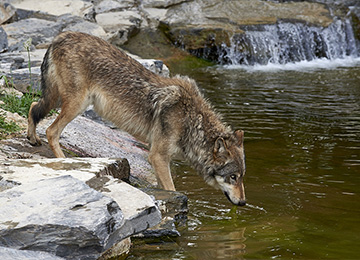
[302, 143]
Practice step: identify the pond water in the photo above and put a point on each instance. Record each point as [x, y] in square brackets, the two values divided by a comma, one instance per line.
[302, 143]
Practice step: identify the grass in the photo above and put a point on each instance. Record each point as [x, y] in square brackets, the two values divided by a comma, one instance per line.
[15, 104]
[7, 128]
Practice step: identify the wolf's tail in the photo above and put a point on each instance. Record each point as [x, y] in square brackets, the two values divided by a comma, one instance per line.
[50, 97]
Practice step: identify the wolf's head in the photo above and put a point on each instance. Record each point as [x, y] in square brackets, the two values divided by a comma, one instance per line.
[229, 167]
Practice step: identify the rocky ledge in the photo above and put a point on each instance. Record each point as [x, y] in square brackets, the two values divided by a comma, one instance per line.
[72, 208]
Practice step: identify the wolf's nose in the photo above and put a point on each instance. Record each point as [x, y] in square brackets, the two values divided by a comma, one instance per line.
[242, 203]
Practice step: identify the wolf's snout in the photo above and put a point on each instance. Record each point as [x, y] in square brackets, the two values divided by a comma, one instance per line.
[237, 202]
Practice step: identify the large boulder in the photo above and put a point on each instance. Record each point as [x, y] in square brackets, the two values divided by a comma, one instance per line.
[73, 208]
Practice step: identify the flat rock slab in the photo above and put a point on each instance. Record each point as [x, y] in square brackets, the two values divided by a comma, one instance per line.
[70, 208]
[93, 139]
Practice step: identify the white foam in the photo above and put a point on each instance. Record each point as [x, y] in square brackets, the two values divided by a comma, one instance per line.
[317, 64]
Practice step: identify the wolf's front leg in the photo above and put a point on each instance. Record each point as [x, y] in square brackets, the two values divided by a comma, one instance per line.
[161, 165]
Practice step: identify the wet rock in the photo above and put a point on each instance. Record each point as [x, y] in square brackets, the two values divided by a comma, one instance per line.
[120, 251]
[66, 210]
[173, 207]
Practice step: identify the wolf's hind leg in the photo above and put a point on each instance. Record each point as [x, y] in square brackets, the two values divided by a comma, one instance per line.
[38, 110]
[69, 110]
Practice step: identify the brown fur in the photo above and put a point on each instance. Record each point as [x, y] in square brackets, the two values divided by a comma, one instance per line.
[169, 113]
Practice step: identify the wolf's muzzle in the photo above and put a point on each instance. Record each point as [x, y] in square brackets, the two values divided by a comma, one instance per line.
[240, 203]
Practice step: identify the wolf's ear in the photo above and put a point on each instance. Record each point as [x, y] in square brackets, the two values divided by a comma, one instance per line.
[220, 150]
[239, 134]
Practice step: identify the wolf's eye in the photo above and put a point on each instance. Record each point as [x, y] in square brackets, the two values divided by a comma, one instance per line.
[233, 177]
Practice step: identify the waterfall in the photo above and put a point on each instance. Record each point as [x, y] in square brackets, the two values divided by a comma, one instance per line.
[285, 42]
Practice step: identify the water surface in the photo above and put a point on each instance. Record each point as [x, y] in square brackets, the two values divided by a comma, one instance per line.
[302, 142]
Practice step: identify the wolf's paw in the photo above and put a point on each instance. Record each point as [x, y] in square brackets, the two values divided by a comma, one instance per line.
[34, 141]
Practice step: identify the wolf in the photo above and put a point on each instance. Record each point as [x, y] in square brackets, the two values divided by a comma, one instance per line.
[170, 114]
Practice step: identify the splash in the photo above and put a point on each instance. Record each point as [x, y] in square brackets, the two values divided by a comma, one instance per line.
[284, 45]
[313, 65]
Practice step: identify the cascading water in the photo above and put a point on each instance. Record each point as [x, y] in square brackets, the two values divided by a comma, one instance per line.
[285, 42]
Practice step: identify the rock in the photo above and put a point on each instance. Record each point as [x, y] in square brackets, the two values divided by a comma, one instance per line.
[173, 207]
[118, 20]
[3, 40]
[91, 139]
[81, 220]
[155, 66]
[151, 43]
[7, 11]
[120, 251]
[259, 32]
[119, 25]
[69, 212]
[14, 117]
[15, 66]
[113, 6]
[14, 254]
[40, 31]
[54, 7]
[162, 3]
[204, 28]
[245, 12]
[87, 27]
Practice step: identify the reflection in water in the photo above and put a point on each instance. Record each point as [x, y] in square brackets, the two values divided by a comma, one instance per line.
[302, 142]
[210, 243]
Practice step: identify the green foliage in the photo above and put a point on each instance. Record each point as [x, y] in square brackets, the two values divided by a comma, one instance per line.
[7, 83]
[20, 105]
[15, 104]
[7, 128]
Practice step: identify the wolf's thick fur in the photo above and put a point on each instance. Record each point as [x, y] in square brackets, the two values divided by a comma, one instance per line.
[169, 113]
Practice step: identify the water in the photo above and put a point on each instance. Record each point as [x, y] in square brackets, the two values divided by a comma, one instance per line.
[285, 42]
[302, 142]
